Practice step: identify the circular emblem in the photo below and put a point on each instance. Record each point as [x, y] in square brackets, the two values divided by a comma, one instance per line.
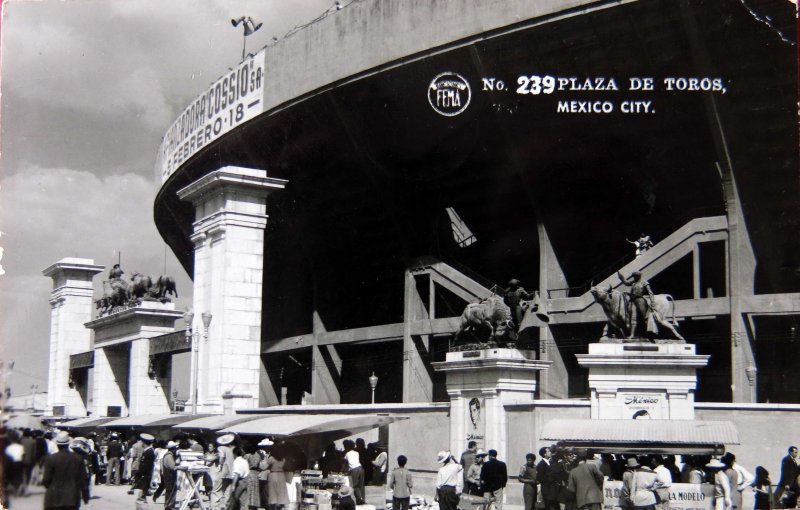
[449, 94]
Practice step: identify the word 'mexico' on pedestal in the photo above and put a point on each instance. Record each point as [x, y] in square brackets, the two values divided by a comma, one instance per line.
[642, 380]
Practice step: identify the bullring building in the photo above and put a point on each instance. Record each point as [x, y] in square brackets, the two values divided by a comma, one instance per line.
[340, 196]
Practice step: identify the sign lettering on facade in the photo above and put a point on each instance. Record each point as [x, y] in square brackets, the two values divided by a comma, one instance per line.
[229, 102]
[682, 496]
[642, 405]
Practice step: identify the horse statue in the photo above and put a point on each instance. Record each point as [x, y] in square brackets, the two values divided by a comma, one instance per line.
[115, 293]
[489, 319]
[140, 288]
[164, 286]
[619, 311]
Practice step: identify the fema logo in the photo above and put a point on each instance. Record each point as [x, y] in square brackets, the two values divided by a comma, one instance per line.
[449, 94]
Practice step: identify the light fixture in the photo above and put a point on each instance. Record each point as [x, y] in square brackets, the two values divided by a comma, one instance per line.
[250, 27]
[373, 382]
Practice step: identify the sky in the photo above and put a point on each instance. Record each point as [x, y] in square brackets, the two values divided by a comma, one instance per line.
[88, 90]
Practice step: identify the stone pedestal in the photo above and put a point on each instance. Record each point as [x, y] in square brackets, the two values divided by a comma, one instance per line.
[228, 237]
[480, 383]
[642, 380]
[122, 373]
[71, 306]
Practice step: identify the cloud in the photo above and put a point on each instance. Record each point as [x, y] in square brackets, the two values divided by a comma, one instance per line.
[51, 213]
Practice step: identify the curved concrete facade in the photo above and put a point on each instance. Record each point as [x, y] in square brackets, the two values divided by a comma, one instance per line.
[358, 259]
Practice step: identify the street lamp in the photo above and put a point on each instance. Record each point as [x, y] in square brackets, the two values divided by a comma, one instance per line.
[250, 27]
[188, 317]
[206, 316]
[373, 382]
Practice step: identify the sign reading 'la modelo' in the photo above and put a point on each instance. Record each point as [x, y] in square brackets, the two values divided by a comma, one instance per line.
[230, 101]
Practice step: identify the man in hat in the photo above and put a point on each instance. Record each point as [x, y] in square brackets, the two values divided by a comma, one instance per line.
[169, 475]
[223, 485]
[146, 465]
[641, 300]
[64, 477]
[586, 482]
[494, 476]
[473, 478]
[113, 457]
[345, 500]
[449, 481]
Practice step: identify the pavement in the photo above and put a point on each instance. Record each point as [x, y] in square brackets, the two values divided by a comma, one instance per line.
[116, 497]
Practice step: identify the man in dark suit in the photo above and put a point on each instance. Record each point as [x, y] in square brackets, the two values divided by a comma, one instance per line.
[789, 472]
[548, 483]
[146, 465]
[65, 478]
[586, 482]
[494, 476]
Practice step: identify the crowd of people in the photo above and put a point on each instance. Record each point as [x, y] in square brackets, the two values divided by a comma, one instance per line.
[570, 479]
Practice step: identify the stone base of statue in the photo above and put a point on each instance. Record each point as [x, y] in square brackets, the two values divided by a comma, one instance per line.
[479, 384]
[648, 380]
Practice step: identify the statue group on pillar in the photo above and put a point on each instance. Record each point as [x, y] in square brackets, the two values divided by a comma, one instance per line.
[638, 313]
[497, 319]
[119, 293]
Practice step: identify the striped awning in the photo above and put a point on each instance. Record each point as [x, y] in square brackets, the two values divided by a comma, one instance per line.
[88, 422]
[342, 425]
[151, 420]
[640, 433]
[217, 422]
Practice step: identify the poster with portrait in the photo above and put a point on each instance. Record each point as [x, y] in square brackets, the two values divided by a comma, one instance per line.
[475, 421]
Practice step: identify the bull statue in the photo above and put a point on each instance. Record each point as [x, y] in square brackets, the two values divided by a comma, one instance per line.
[140, 288]
[489, 319]
[619, 310]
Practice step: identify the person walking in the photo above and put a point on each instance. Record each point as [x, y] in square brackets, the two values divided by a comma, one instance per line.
[113, 460]
[789, 472]
[133, 460]
[401, 484]
[277, 495]
[169, 476]
[449, 481]
[468, 458]
[733, 480]
[527, 477]
[586, 482]
[762, 487]
[146, 465]
[549, 485]
[352, 459]
[494, 476]
[28, 458]
[64, 477]
[222, 490]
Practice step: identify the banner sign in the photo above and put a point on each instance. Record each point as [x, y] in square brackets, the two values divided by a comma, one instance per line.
[229, 102]
[682, 496]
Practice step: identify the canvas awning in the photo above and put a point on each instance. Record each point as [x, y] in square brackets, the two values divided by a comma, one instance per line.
[151, 420]
[332, 425]
[88, 422]
[217, 422]
[643, 436]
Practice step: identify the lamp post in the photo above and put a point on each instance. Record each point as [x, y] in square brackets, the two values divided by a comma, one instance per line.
[373, 382]
[191, 339]
[250, 27]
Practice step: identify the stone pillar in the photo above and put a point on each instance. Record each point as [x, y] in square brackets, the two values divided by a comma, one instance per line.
[123, 376]
[228, 236]
[417, 384]
[71, 306]
[480, 384]
[554, 383]
[642, 380]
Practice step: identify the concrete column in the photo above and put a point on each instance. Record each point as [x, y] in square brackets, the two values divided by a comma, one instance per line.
[230, 218]
[122, 359]
[71, 306]
[417, 383]
[555, 380]
[480, 384]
